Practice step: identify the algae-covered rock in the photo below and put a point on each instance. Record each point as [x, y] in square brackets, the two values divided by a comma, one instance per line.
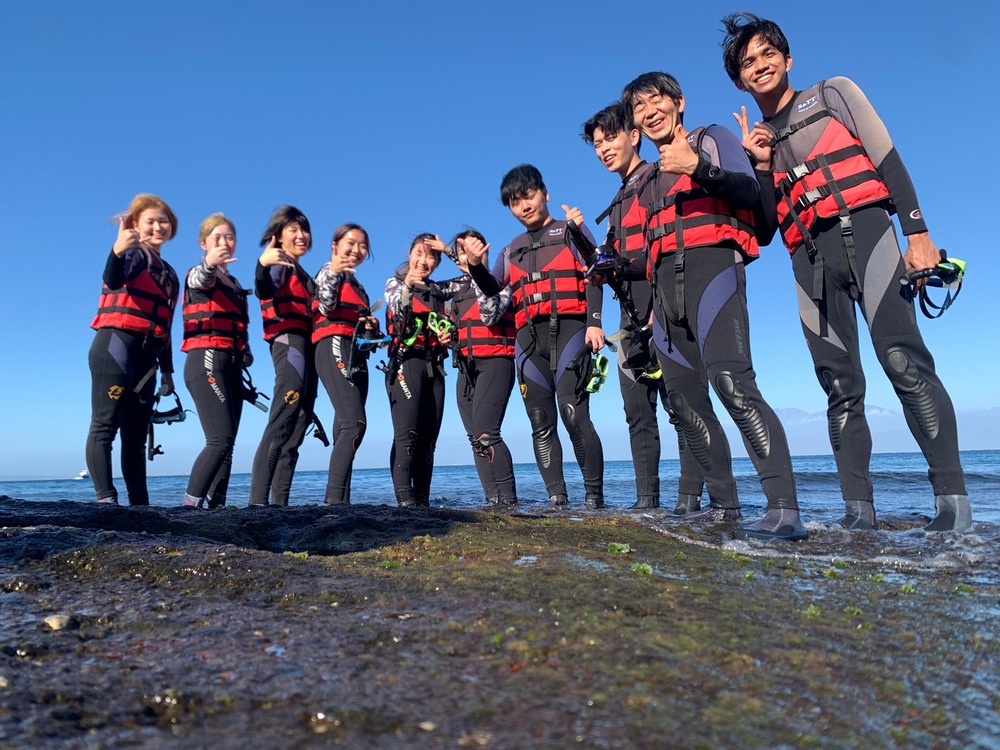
[432, 628]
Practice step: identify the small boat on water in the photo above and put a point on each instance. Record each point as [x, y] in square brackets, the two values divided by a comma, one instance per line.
[82, 475]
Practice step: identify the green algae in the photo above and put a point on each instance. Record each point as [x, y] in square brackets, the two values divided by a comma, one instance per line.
[445, 639]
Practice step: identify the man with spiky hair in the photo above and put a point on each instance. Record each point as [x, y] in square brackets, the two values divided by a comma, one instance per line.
[837, 179]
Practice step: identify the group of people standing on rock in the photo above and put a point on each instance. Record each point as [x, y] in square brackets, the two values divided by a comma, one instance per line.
[820, 169]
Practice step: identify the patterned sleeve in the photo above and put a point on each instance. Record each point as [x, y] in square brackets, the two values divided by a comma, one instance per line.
[393, 289]
[201, 277]
[491, 309]
[328, 289]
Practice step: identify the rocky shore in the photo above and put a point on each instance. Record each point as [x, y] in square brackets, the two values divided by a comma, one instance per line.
[374, 627]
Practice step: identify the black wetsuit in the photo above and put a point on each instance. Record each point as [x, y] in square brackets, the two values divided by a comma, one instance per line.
[415, 385]
[640, 393]
[708, 340]
[213, 374]
[552, 357]
[123, 365]
[295, 385]
[869, 278]
[343, 371]
[485, 382]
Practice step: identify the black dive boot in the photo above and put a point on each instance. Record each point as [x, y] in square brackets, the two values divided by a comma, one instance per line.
[594, 502]
[859, 515]
[687, 504]
[953, 514]
[558, 500]
[777, 523]
[646, 502]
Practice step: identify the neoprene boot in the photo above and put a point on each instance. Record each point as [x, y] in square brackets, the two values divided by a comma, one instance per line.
[777, 523]
[953, 514]
[687, 504]
[559, 500]
[594, 502]
[646, 502]
[859, 515]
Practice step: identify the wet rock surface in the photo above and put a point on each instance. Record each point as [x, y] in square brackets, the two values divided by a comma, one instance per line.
[375, 627]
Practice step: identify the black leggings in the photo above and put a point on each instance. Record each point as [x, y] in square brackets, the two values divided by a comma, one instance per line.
[712, 345]
[214, 380]
[348, 391]
[555, 388]
[416, 401]
[295, 385]
[483, 395]
[831, 330]
[123, 381]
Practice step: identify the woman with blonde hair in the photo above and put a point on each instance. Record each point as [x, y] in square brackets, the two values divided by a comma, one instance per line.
[215, 339]
[133, 341]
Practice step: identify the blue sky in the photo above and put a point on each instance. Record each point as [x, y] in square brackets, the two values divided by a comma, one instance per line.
[404, 117]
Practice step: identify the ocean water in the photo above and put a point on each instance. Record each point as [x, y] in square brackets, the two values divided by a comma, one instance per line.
[900, 480]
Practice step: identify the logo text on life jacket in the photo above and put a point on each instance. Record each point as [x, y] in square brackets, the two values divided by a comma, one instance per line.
[808, 104]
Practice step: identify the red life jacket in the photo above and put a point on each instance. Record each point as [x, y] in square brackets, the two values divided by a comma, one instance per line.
[417, 305]
[343, 319]
[546, 278]
[216, 318]
[475, 339]
[682, 215]
[288, 311]
[144, 304]
[820, 172]
[628, 213]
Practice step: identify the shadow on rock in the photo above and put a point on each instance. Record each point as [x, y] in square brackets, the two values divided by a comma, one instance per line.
[62, 526]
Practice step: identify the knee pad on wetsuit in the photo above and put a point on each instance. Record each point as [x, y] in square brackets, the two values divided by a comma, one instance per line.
[541, 434]
[913, 390]
[693, 427]
[568, 414]
[744, 412]
[841, 395]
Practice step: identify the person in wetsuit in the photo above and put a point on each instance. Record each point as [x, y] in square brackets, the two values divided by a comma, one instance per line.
[285, 291]
[341, 314]
[415, 371]
[484, 355]
[215, 339]
[700, 235]
[133, 340]
[835, 179]
[616, 141]
[558, 328]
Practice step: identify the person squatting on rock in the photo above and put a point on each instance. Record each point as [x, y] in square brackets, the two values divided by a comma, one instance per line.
[834, 179]
[558, 328]
[616, 142]
[285, 291]
[700, 235]
[215, 339]
[341, 315]
[133, 340]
